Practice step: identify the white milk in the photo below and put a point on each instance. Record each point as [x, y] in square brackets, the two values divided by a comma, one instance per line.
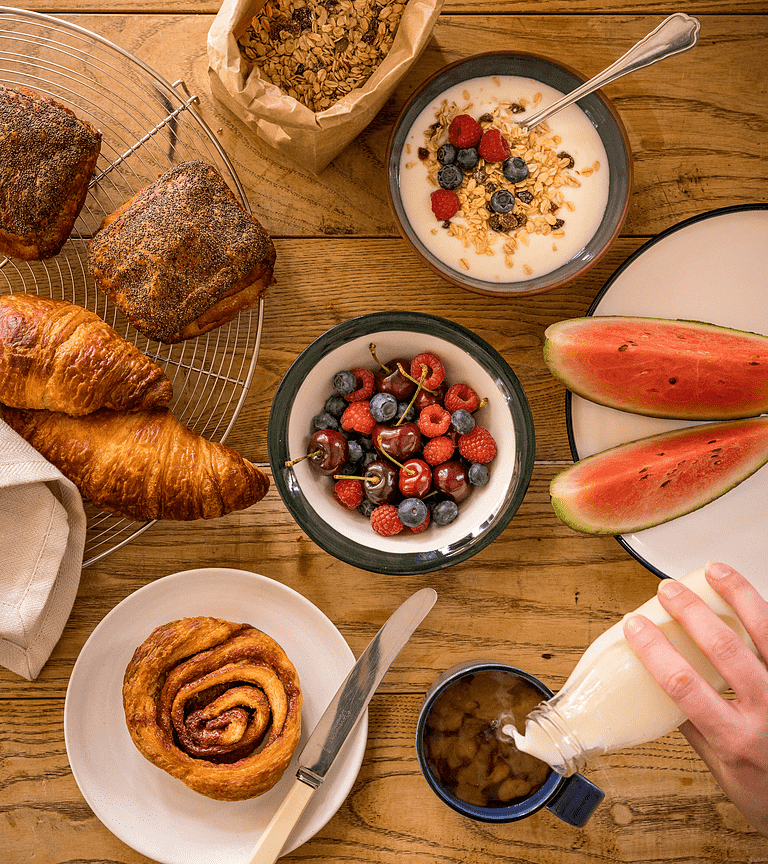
[611, 701]
[586, 203]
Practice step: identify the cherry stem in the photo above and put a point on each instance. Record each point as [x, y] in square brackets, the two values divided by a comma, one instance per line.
[370, 478]
[372, 349]
[411, 378]
[408, 470]
[291, 462]
[483, 402]
[419, 386]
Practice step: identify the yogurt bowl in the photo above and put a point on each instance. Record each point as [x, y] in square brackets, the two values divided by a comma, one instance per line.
[567, 192]
[347, 534]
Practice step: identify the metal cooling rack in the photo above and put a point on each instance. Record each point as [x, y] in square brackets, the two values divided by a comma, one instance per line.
[147, 125]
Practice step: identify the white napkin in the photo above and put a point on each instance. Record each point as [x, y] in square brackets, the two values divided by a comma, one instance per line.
[42, 535]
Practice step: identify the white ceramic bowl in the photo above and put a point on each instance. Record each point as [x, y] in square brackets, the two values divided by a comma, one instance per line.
[347, 534]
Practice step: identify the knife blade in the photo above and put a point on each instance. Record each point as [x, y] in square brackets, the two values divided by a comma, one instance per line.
[339, 720]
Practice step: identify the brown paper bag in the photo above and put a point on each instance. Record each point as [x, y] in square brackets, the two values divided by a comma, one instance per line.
[295, 132]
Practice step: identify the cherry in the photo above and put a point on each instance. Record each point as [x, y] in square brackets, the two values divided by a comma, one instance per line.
[452, 479]
[394, 381]
[384, 490]
[327, 451]
[415, 478]
[424, 398]
[400, 442]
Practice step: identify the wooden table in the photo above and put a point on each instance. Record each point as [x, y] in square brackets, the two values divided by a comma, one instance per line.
[698, 126]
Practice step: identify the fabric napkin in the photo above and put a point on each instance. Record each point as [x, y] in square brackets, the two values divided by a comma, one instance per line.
[42, 536]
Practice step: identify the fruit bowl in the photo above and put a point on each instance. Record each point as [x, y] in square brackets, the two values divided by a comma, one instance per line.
[347, 534]
[558, 195]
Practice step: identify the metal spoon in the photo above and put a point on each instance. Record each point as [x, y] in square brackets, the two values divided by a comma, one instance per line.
[674, 35]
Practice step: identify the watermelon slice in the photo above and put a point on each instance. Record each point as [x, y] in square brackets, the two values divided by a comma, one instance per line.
[687, 370]
[652, 480]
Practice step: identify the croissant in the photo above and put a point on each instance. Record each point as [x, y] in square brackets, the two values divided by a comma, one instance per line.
[215, 704]
[144, 465]
[59, 356]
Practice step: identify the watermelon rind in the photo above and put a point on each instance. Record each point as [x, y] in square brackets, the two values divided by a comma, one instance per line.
[653, 480]
[660, 367]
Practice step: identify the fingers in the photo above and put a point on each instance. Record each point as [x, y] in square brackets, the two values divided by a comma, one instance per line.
[745, 600]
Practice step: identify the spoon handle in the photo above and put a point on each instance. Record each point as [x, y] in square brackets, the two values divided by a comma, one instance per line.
[675, 34]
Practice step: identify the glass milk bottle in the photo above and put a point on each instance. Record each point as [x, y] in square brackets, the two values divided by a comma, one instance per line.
[610, 701]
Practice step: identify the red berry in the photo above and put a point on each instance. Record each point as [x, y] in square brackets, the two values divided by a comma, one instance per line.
[438, 450]
[419, 528]
[365, 390]
[434, 420]
[461, 396]
[385, 521]
[464, 131]
[477, 445]
[349, 493]
[445, 204]
[493, 146]
[435, 369]
[358, 418]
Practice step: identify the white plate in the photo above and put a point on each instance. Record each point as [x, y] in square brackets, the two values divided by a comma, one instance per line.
[710, 268]
[148, 809]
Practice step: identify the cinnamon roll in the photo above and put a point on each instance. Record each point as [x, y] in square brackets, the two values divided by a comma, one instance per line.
[215, 704]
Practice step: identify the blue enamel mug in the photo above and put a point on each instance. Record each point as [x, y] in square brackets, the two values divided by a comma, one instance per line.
[573, 799]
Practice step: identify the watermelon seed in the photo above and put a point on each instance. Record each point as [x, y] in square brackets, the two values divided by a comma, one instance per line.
[643, 469]
[653, 390]
[623, 347]
[673, 380]
[665, 483]
[717, 462]
[753, 363]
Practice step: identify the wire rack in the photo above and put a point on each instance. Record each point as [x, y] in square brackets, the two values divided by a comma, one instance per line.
[147, 126]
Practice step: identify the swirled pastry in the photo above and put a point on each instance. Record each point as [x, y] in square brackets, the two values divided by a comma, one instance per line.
[215, 704]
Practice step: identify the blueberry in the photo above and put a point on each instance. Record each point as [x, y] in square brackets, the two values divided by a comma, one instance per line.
[366, 508]
[445, 512]
[383, 407]
[335, 405]
[449, 177]
[515, 169]
[369, 457]
[324, 420]
[467, 158]
[407, 409]
[462, 421]
[344, 383]
[502, 201]
[412, 512]
[478, 474]
[446, 154]
[355, 451]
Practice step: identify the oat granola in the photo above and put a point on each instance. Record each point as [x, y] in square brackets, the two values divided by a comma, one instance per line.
[318, 52]
[541, 206]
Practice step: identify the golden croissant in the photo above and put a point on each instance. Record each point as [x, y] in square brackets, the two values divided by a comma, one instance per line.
[59, 356]
[143, 464]
[215, 704]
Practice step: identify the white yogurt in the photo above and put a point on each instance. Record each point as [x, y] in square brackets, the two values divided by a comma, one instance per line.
[534, 254]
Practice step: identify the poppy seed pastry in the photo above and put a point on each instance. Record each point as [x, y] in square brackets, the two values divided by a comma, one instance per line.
[47, 160]
[182, 256]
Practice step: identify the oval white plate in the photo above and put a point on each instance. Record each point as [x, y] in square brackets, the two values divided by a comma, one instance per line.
[148, 809]
[710, 268]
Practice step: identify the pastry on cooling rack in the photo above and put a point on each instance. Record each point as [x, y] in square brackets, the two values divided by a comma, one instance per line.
[144, 464]
[47, 159]
[60, 356]
[182, 256]
[215, 704]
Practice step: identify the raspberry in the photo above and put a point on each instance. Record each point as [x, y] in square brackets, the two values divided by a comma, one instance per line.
[445, 204]
[461, 396]
[434, 421]
[493, 146]
[365, 388]
[464, 131]
[438, 450]
[349, 493]
[385, 521]
[358, 417]
[435, 370]
[478, 445]
[424, 525]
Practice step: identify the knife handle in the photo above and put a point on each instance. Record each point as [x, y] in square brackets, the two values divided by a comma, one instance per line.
[271, 842]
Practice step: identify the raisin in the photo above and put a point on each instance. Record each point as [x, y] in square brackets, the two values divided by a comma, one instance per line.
[486, 118]
[479, 175]
[503, 222]
[303, 17]
[447, 223]
[525, 196]
[558, 224]
[517, 108]
[423, 153]
[490, 186]
[553, 208]
[434, 129]
[563, 155]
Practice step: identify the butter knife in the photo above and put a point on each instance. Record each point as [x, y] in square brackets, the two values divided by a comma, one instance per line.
[340, 718]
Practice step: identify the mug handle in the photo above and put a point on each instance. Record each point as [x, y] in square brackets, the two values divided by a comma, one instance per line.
[576, 801]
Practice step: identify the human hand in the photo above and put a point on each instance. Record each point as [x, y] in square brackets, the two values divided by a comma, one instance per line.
[730, 735]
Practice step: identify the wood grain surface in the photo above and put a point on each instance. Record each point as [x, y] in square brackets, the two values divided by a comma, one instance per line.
[536, 597]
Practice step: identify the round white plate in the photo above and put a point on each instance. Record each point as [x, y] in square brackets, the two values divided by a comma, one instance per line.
[710, 268]
[148, 809]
